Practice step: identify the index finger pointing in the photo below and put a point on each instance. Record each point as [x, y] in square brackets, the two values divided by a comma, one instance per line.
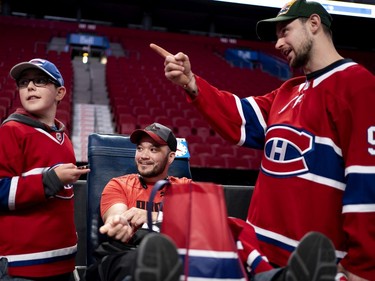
[162, 52]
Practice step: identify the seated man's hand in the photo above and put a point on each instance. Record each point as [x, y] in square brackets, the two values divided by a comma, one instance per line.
[122, 227]
[136, 217]
[118, 227]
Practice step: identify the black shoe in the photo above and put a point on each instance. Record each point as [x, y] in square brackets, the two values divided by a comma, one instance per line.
[313, 260]
[157, 259]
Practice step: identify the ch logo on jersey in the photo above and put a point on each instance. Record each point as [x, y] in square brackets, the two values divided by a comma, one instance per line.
[59, 137]
[285, 151]
[66, 193]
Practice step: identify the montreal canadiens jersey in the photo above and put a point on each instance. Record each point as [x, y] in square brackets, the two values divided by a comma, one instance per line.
[318, 168]
[38, 235]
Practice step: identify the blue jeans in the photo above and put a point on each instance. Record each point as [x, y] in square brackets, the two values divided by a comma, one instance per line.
[4, 272]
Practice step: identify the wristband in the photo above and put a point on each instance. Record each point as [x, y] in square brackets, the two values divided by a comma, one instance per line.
[187, 84]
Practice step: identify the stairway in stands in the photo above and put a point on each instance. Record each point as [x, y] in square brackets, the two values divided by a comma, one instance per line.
[91, 105]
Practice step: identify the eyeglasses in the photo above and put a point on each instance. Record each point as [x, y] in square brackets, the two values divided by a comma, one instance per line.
[38, 81]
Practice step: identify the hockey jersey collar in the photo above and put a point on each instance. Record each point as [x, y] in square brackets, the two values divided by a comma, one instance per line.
[318, 73]
[22, 116]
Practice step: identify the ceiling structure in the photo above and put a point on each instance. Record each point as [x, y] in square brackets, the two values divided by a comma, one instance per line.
[201, 16]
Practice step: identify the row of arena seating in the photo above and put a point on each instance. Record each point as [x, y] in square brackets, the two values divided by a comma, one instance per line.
[140, 94]
[137, 90]
[151, 97]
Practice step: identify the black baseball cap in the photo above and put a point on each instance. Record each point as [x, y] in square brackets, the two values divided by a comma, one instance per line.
[159, 133]
[266, 29]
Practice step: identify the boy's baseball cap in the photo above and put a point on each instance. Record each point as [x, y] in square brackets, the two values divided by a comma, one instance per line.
[266, 29]
[44, 65]
[159, 133]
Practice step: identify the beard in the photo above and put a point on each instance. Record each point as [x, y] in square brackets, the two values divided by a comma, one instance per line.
[302, 54]
[156, 170]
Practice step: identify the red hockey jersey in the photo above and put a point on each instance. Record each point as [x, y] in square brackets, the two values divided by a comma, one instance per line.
[318, 167]
[38, 235]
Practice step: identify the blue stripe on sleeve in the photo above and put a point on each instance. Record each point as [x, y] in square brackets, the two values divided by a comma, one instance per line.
[4, 193]
[254, 132]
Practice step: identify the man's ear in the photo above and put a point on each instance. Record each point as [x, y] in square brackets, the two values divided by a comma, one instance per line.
[315, 22]
[171, 157]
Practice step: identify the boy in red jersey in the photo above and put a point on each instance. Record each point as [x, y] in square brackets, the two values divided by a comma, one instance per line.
[38, 240]
[318, 136]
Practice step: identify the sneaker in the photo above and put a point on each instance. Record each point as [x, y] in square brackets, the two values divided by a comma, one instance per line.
[158, 259]
[313, 260]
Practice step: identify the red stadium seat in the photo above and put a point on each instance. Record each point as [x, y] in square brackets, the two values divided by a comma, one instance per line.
[197, 161]
[166, 121]
[237, 163]
[143, 120]
[203, 132]
[194, 139]
[224, 150]
[6, 101]
[214, 162]
[180, 122]
[127, 128]
[157, 111]
[215, 140]
[140, 110]
[3, 112]
[183, 131]
[200, 149]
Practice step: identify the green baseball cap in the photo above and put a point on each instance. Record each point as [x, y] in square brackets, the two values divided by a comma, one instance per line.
[266, 29]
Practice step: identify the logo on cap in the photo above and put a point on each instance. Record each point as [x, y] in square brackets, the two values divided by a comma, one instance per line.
[286, 8]
[44, 65]
[152, 127]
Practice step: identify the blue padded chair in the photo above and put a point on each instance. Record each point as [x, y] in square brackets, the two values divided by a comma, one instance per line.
[111, 155]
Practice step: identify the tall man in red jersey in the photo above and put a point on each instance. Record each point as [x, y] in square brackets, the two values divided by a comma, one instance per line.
[318, 136]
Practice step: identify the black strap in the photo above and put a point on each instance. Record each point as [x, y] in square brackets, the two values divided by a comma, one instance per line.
[158, 186]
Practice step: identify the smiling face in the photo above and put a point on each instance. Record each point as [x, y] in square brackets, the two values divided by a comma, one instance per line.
[40, 100]
[152, 159]
[294, 42]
